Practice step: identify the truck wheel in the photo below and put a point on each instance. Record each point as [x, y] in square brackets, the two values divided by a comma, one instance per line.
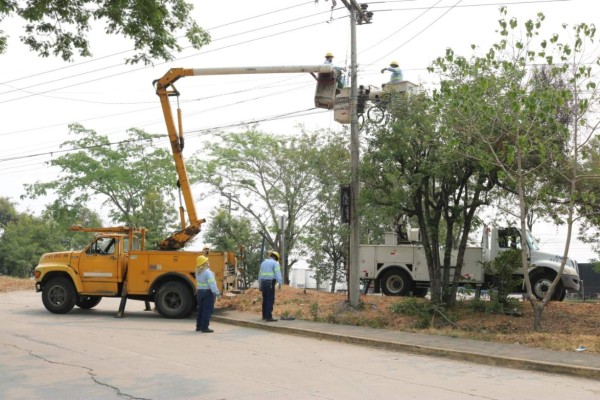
[542, 282]
[420, 292]
[87, 302]
[174, 300]
[396, 283]
[59, 295]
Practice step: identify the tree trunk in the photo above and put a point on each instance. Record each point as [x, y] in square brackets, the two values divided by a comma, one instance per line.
[538, 309]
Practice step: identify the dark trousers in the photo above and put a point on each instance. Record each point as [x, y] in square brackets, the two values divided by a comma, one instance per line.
[206, 305]
[267, 287]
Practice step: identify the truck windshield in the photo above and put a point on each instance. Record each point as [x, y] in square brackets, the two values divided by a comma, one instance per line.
[531, 243]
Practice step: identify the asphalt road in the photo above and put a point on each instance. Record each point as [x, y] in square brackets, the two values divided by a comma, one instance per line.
[92, 355]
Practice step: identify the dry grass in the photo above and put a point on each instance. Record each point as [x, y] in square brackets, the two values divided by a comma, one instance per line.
[8, 284]
[567, 325]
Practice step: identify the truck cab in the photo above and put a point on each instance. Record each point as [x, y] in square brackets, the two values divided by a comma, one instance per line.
[544, 266]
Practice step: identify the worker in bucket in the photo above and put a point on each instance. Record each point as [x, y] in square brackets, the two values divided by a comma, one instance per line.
[269, 274]
[340, 78]
[206, 295]
[394, 68]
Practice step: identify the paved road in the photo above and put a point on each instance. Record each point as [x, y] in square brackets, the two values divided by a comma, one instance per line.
[92, 355]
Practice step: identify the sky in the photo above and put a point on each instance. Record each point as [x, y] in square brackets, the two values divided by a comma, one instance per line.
[39, 97]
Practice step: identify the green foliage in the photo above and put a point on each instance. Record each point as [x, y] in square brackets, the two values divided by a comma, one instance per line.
[326, 238]
[227, 232]
[314, 311]
[503, 268]
[24, 241]
[423, 309]
[132, 177]
[60, 28]
[25, 237]
[8, 213]
[266, 176]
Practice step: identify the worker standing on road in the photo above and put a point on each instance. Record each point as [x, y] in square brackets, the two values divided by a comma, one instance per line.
[269, 274]
[396, 72]
[339, 78]
[206, 295]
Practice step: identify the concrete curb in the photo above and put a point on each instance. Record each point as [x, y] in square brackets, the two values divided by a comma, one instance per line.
[474, 357]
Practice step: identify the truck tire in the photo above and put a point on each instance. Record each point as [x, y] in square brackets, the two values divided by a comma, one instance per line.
[174, 300]
[59, 295]
[420, 292]
[396, 282]
[541, 283]
[87, 302]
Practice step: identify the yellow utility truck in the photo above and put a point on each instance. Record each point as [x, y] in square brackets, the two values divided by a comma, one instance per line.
[115, 264]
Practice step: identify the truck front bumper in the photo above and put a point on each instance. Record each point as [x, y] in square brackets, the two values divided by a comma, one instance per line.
[571, 283]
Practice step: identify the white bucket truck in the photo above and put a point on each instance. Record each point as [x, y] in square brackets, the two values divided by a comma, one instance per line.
[400, 269]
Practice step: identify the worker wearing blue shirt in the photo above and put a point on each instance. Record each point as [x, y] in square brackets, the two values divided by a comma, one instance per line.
[207, 291]
[339, 78]
[396, 72]
[270, 272]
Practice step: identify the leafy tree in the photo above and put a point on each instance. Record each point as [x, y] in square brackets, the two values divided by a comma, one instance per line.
[64, 216]
[132, 177]
[23, 242]
[60, 27]
[8, 213]
[267, 177]
[537, 150]
[236, 234]
[416, 166]
[326, 238]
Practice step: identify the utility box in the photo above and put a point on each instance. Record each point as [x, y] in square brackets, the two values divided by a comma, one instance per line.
[396, 87]
[400, 87]
[341, 108]
[326, 88]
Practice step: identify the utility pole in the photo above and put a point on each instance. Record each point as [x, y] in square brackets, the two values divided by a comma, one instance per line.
[358, 14]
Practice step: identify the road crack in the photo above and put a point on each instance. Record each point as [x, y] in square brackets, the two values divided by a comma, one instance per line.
[90, 371]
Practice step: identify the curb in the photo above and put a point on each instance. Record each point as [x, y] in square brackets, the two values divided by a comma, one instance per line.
[474, 357]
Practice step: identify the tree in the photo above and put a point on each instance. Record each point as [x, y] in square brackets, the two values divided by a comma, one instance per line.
[8, 213]
[268, 178]
[132, 177]
[60, 27]
[236, 234]
[416, 167]
[537, 151]
[26, 237]
[326, 237]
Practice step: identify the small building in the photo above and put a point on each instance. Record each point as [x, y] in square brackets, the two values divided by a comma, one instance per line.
[303, 277]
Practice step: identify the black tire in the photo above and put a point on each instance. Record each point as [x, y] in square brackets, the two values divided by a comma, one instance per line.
[540, 284]
[59, 295]
[87, 302]
[376, 114]
[420, 292]
[396, 282]
[174, 300]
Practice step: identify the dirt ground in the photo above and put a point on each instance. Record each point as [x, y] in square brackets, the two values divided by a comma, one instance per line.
[566, 325]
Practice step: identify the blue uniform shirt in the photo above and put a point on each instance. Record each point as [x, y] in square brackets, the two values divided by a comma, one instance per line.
[205, 280]
[270, 269]
[396, 74]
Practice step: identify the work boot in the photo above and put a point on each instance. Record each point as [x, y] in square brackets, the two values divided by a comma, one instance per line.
[207, 330]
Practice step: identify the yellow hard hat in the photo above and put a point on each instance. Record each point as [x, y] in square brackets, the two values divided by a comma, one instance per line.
[394, 63]
[329, 55]
[201, 260]
[274, 253]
